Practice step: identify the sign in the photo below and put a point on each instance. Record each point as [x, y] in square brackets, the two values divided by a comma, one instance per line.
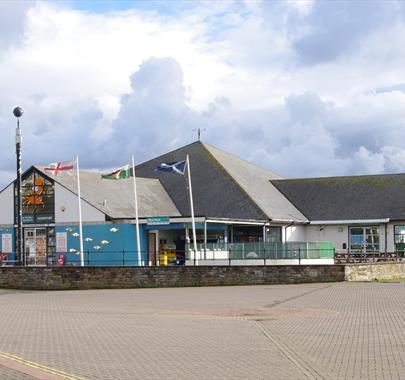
[158, 221]
[6, 243]
[61, 242]
[45, 218]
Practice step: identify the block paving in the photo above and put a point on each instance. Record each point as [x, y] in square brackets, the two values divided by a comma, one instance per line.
[307, 331]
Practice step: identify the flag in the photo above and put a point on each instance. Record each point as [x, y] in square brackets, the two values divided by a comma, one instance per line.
[172, 167]
[56, 168]
[120, 173]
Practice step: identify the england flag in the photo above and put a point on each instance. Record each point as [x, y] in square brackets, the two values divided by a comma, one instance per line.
[57, 168]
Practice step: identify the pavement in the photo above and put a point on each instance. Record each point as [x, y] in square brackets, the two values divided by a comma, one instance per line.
[309, 331]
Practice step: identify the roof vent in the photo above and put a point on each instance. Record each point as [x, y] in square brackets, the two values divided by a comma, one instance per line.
[105, 202]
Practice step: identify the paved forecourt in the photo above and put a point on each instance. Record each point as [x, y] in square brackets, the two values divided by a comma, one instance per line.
[315, 331]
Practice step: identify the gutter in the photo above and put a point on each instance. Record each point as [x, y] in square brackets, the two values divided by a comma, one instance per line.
[350, 221]
[290, 221]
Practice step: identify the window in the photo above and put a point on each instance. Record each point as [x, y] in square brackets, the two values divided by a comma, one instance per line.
[364, 239]
[273, 234]
[38, 199]
[247, 234]
[399, 236]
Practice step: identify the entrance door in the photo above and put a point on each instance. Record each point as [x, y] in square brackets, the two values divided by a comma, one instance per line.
[35, 245]
[152, 248]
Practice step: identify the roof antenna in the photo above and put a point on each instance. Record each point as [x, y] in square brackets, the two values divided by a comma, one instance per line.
[199, 130]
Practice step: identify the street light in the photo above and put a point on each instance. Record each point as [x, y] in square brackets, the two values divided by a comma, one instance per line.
[18, 112]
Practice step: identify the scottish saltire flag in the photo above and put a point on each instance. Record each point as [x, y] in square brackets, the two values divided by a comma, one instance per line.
[172, 167]
[56, 168]
[120, 173]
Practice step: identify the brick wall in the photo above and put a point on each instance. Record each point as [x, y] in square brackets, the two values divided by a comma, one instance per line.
[150, 277]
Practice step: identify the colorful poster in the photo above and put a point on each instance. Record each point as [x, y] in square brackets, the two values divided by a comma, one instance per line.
[61, 242]
[6, 243]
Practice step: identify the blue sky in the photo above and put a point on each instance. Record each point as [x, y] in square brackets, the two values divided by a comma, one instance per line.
[303, 88]
[164, 7]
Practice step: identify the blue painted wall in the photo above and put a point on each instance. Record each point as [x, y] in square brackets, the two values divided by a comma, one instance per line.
[120, 249]
[180, 226]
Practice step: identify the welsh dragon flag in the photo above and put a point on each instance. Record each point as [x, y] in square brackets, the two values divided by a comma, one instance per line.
[120, 173]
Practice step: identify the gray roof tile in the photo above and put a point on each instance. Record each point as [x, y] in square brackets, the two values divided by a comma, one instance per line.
[224, 186]
[116, 197]
[347, 198]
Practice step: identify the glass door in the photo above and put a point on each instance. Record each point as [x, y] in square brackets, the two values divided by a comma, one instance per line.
[35, 245]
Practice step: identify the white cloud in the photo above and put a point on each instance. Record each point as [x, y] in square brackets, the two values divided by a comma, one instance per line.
[279, 83]
[13, 18]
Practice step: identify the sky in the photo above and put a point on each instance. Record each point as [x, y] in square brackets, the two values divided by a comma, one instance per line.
[302, 88]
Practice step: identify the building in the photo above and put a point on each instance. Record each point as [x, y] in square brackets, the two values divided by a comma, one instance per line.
[358, 213]
[236, 204]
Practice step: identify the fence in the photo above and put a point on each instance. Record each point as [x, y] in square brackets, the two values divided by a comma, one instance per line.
[210, 254]
[347, 257]
[262, 251]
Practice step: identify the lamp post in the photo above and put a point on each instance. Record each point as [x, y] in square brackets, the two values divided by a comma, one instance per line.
[18, 112]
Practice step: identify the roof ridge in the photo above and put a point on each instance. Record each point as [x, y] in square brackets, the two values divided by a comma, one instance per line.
[242, 159]
[234, 180]
[338, 177]
[172, 151]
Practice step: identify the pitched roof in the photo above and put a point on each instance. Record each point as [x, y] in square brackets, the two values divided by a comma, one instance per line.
[254, 180]
[347, 198]
[115, 198]
[224, 186]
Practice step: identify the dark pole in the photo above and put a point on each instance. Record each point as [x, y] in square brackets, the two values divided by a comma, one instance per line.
[18, 112]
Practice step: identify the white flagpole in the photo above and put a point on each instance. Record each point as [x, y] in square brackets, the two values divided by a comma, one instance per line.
[80, 213]
[192, 211]
[138, 242]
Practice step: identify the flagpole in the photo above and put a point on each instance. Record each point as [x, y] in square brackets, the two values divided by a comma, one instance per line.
[138, 242]
[80, 213]
[192, 211]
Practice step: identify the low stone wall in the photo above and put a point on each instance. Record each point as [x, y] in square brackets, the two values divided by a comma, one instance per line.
[64, 278]
[374, 272]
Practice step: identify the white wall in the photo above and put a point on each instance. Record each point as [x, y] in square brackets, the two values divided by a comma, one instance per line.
[390, 235]
[7, 206]
[65, 199]
[383, 237]
[294, 233]
[337, 234]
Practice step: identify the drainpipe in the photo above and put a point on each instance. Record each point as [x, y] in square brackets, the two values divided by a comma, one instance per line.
[285, 230]
[265, 239]
[285, 233]
[205, 238]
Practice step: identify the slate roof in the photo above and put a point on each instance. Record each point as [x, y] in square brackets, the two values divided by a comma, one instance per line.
[347, 198]
[119, 196]
[224, 186]
[254, 180]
